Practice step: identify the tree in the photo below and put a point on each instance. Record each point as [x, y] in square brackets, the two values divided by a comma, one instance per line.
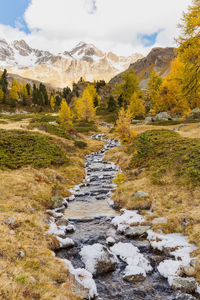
[65, 114]
[4, 81]
[28, 88]
[136, 107]
[154, 85]
[171, 97]
[35, 94]
[189, 54]
[67, 94]
[52, 102]
[1, 95]
[112, 105]
[14, 93]
[123, 126]
[43, 95]
[84, 106]
[127, 88]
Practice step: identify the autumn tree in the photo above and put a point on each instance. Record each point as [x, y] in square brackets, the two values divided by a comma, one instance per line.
[123, 126]
[84, 106]
[1, 95]
[127, 88]
[52, 102]
[136, 107]
[65, 114]
[189, 54]
[154, 84]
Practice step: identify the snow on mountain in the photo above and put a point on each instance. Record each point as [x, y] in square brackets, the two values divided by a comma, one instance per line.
[84, 60]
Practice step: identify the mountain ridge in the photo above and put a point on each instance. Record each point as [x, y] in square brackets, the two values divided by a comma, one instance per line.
[62, 69]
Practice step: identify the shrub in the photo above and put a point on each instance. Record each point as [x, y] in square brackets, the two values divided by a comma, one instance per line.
[80, 144]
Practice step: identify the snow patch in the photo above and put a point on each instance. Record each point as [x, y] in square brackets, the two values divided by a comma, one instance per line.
[126, 219]
[65, 243]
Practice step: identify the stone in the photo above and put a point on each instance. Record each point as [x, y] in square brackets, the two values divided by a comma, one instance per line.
[162, 116]
[148, 120]
[161, 220]
[21, 254]
[136, 231]
[134, 274]
[98, 259]
[10, 221]
[192, 268]
[70, 228]
[110, 241]
[62, 222]
[186, 285]
[140, 194]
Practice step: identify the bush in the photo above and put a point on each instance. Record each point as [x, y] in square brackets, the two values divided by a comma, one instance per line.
[80, 144]
[20, 148]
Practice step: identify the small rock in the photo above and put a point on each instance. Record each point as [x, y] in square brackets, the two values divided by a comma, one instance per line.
[134, 274]
[148, 120]
[65, 243]
[186, 285]
[70, 229]
[62, 222]
[136, 231]
[162, 116]
[10, 221]
[32, 279]
[21, 254]
[192, 268]
[159, 221]
[110, 241]
[12, 232]
[140, 194]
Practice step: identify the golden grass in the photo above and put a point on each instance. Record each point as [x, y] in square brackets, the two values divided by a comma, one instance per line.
[24, 194]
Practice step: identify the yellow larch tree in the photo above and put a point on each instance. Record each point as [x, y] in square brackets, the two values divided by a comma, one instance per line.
[52, 102]
[64, 114]
[123, 126]
[136, 107]
[84, 106]
[1, 95]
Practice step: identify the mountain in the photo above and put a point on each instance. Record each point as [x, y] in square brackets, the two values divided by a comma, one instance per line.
[158, 59]
[62, 69]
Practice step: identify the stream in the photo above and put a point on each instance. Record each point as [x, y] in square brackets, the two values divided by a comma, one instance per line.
[90, 211]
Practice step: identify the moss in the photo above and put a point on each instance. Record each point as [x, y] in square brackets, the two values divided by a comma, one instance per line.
[19, 148]
[163, 151]
[22, 278]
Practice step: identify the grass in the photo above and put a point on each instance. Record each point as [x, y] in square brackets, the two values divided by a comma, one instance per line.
[165, 165]
[57, 130]
[25, 194]
[21, 148]
[164, 151]
[171, 122]
[16, 117]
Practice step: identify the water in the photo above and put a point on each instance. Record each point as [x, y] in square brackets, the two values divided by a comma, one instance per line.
[91, 214]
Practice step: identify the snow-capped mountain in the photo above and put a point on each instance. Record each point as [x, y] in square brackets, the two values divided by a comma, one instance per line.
[60, 70]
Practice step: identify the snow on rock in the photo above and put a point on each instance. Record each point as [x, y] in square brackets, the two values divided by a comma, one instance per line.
[131, 255]
[126, 219]
[177, 244]
[169, 268]
[83, 277]
[110, 241]
[56, 230]
[134, 274]
[65, 243]
[98, 259]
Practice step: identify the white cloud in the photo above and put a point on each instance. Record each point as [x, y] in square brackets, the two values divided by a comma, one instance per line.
[114, 25]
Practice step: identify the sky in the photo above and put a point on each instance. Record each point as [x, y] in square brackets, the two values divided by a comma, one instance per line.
[121, 26]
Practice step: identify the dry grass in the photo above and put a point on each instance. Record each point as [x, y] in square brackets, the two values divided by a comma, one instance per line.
[25, 194]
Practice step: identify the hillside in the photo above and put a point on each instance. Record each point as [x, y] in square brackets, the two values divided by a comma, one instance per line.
[62, 69]
[158, 59]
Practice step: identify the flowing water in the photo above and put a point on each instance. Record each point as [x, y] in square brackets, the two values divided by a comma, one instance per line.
[91, 214]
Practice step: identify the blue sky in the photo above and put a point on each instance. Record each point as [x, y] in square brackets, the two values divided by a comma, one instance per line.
[11, 12]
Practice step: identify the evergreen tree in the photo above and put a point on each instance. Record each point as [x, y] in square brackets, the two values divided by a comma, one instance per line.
[28, 88]
[111, 104]
[35, 95]
[4, 81]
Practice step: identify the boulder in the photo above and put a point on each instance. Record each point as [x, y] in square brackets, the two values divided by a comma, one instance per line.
[110, 241]
[98, 259]
[140, 194]
[136, 231]
[162, 116]
[62, 222]
[148, 120]
[70, 228]
[186, 285]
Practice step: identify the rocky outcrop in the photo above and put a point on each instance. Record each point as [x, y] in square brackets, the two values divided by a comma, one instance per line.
[158, 59]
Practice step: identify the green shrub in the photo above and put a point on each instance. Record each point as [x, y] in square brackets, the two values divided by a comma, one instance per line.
[80, 144]
[20, 148]
[57, 130]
